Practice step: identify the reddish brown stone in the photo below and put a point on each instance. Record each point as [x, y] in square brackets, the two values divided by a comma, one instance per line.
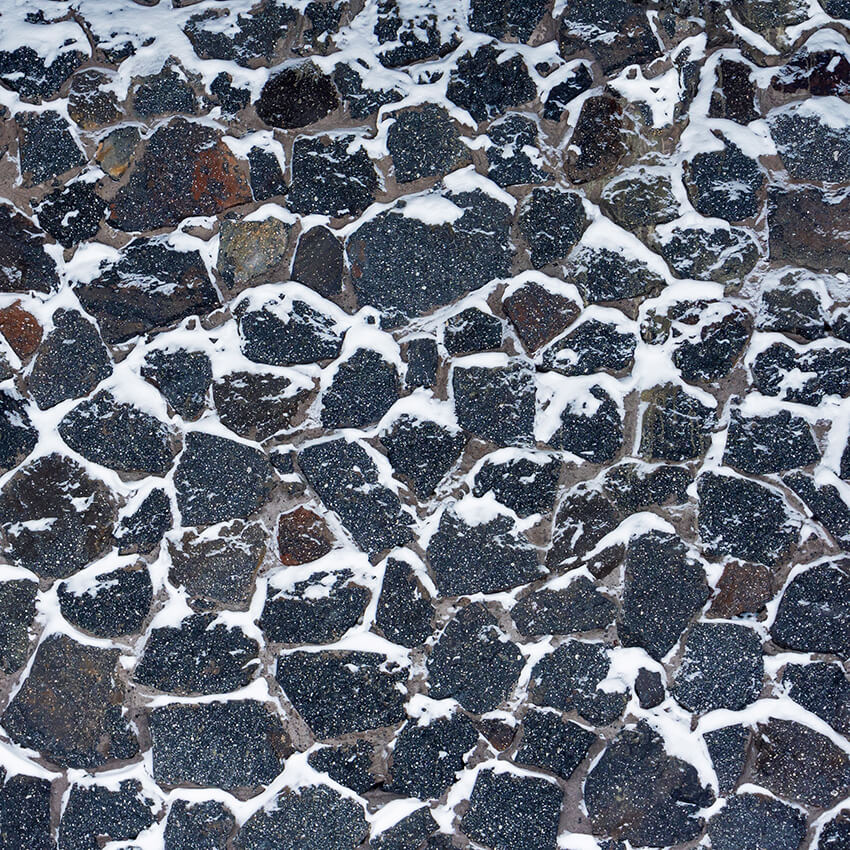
[302, 537]
[742, 589]
[21, 329]
[498, 733]
[823, 73]
[539, 315]
[597, 144]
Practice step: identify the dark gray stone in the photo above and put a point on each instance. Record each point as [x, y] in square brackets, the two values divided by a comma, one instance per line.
[472, 664]
[18, 437]
[727, 748]
[297, 97]
[499, 18]
[562, 94]
[603, 275]
[424, 142]
[348, 764]
[709, 253]
[360, 100]
[410, 832]
[792, 308]
[29, 74]
[631, 487]
[24, 264]
[733, 97]
[649, 688]
[47, 148]
[404, 614]
[255, 405]
[17, 610]
[551, 221]
[823, 689]
[527, 486]
[764, 444]
[597, 436]
[163, 93]
[25, 813]
[198, 826]
[423, 360]
[716, 350]
[836, 833]
[72, 214]
[552, 743]
[826, 371]
[577, 608]
[826, 504]
[182, 376]
[509, 161]
[810, 148]
[725, 183]
[472, 330]
[363, 389]
[591, 347]
[95, 815]
[318, 261]
[641, 196]
[756, 820]
[265, 175]
[675, 424]
[143, 530]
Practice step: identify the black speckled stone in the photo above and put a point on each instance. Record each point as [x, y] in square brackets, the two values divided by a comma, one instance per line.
[632, 487]
[411, 831]
[472, 330]
[595, 436]
[593, 346]
[297, 97]
[363, 389]
[47, 148]
[472, 664]
[823, 689]
[524, 485]
[764, 444]
[18, 437]
[338, 692]
[756, 820]
[649, 687]
[727, 747]
[94, 813]
[198, 826]
[552, 743]
[25, 813]
[73, 214]
[560, 95]
[183, 377]
[348, 764]
[826, 504]
[510, 164]
[826, 372]
[404, 614]
[725, 183]
[423, 360]
[24, 264]
[424, 142]
[551, 222]
[17, 609]
[810, 148]
[709, 253]
[265, 175]
[577, 608]
[255, 405]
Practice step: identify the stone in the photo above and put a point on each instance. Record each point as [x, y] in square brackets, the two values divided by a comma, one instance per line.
[118, 435]
[496, 404]
[257, 405]
[219, 479]
[808, 227]
[404, 614]
[712, 353]
[722, 667]
[69, 706]
[725, 183]
[551, 221]
[815, 72]
[348, 764]
[390, 254]
[632, 487]
[675, 425]
[538, 315]
[297, 97]
[799, 764]
[25, 813]
[331, 177]
[203, 744]
[265, 174]
[552, 743]
[733, 97]
[319, 609]
[220, 568]
[47, 148]
[641, 196]
[591, 427]
[526, 485]
[410, 831]
[649, 688]
[836, 832]
[17, 610]
[515, 153]
[486, 558]
[71, 361]
[182, 376]
[577, 608]
[826, 504]
[409, 34]
[18, 437]
[568, 679]
[472, 330]
[197, 657]
[487, 87]
[252, 252]
[421, 452]
[561, 95]
[603, 275]
[143, 529]
[96, 814]
[318, 261]
[302, 537]
[727, 747]
[341, 691]
[744, 519]
[23, 70]
[20, 329]
[616, 32]
[638, 793]
[361, 101]
[424, 142]
[823, 689]
[593, 346]
[664, 589]
[80, 510]
[499, 18]
[770, 18]
[116, 151]
[186, 170]
[825, 373]
[231, 98]
[364, 387]
[114, 603]
[247, 39]
[726, 255]
[427, 758]
[71, 214]
[314, 817]
[150, 286]
[198, 826]
[299, 335]
[512, 812]
[598, 143]
[756, 820]
[742, 589]
[162, 94]
[346, 480]
[793, 308]
[814, 612]
[423, 360]
[472, 663]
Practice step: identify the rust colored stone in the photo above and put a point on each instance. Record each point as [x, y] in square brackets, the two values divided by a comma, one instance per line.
[742, 589]
[302, 537]
[539, 315]
[21, 329]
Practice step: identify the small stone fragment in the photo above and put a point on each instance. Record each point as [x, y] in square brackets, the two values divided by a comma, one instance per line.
[762, 445]
[423, 360]
[605, 275]
[116, 151]
[514, 155]
[472, 330]
[742, 589]
[551, 222]
[265, 174]
[649, 688]
[20, 329]
[410, 831]
[562, 94]
[198, 826]
[302, 537]
[641, 196]
[826, 504]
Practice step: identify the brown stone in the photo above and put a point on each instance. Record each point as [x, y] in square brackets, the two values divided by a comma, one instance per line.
[70, 706]
[21, 329]
[115, 153]
[186, 170]
[742, 589]
[539, 315]
[302, 537]
[597, 144]
[252, 252]
[809, 228]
